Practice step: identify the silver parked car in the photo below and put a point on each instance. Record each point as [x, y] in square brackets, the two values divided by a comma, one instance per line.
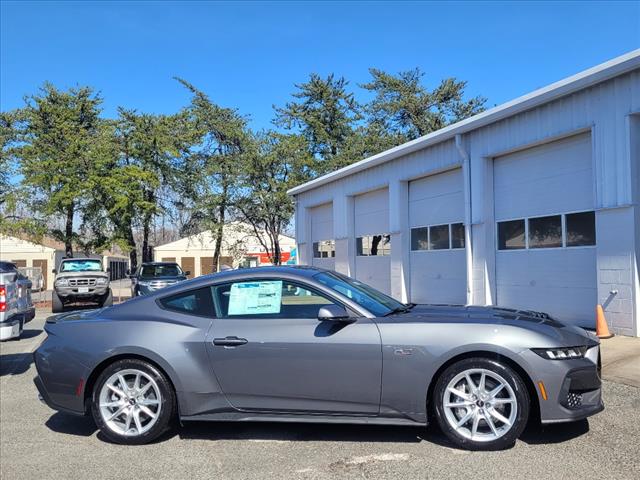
[16, 307]
[305, 344]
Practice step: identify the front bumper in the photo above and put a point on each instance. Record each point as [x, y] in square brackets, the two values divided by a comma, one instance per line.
[77, 294]
[573, 388]
[152, 287]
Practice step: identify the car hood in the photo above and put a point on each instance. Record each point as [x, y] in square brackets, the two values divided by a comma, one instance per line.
[82, 274]
[161, 279]
[538, 322]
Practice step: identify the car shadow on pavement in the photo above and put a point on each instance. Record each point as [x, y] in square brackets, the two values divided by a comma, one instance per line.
[536, 434]
[15, 363]
[30, 333]
[303, 432]
[71, 424]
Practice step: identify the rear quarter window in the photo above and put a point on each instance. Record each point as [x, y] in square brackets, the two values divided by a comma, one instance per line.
[197, 302]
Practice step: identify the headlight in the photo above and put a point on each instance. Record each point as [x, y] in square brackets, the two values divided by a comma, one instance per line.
[565, 353]
[62, 282]
[101, 281]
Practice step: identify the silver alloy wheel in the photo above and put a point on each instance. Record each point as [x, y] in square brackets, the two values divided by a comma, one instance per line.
[480, 405]
[130, 402]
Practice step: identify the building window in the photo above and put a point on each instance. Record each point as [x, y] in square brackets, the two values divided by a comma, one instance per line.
[420, 238]
[373, 245]
[457, 235]
[324, 249]
[439, 237]
[545, 232]
[511, 235]
[581, 229]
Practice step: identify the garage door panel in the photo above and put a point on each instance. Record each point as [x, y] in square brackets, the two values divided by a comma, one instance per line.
[551, 178]
[322, 230]
[438, 277]
[436, 199]
[560, 283]
[563, 193]
[374, 271]
[371, 217]
[322, 222]
[371, 212]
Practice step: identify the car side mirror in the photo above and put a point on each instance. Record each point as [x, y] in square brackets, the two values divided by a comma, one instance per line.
[334, 313]
[187, 273]
[54, 271]
[108, 269]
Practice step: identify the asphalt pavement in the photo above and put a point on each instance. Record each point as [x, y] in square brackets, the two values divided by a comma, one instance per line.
[36, 442]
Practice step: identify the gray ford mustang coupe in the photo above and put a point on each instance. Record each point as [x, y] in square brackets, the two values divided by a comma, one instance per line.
[303, 344]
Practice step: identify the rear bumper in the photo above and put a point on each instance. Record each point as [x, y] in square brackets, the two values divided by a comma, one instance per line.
[45, 398]
[11, 328]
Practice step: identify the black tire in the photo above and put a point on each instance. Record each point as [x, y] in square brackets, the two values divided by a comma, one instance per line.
[168, 403]
[458, 436]
[108, 299]
[56, 304]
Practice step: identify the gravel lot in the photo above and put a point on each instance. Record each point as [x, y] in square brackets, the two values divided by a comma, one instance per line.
[36, 442]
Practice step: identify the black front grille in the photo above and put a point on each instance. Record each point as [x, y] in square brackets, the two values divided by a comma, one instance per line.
[82, 282]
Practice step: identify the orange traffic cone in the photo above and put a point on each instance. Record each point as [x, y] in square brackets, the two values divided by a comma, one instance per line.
[602, 329]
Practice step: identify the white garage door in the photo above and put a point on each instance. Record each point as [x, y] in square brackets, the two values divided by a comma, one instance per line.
[373, 245]
[438, 262]
[322, 236]
[546, 254]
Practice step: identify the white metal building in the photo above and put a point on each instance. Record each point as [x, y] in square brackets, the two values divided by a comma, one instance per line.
[532, 204]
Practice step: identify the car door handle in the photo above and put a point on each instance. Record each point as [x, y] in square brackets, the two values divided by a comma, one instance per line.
[229, 341]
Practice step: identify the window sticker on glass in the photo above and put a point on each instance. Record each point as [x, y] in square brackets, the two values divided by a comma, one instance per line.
[255, 298]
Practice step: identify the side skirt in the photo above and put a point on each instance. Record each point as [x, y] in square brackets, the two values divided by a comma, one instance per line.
[299, 418]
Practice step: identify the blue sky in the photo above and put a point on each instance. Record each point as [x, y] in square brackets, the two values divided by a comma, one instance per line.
[249, 55]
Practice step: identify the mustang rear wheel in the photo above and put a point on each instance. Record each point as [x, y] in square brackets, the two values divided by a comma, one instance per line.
[481, 404]
[133, 402]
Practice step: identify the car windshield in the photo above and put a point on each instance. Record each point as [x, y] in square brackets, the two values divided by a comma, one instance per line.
[367, 297]
[151, 271]
[81, 266]
[6, 267]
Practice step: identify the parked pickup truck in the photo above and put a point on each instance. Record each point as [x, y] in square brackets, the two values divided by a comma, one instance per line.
[16, 307]
[80, 280]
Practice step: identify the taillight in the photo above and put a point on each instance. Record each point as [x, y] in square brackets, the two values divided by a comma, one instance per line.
[3, 298]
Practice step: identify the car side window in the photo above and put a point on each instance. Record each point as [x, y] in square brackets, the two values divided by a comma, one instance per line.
[193, 302]
[268, 299]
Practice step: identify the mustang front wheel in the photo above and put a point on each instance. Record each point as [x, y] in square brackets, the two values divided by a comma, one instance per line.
[481, 404]
[133, 402]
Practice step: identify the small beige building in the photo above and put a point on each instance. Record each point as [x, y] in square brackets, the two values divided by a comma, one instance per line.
[46, 254]
[240, 248]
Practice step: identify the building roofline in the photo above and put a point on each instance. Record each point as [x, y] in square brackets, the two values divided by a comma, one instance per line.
[618, 66]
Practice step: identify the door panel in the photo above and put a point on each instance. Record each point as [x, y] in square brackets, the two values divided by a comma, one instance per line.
[45, 271]
[297, 364]
[188, 264]
[206, 265]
